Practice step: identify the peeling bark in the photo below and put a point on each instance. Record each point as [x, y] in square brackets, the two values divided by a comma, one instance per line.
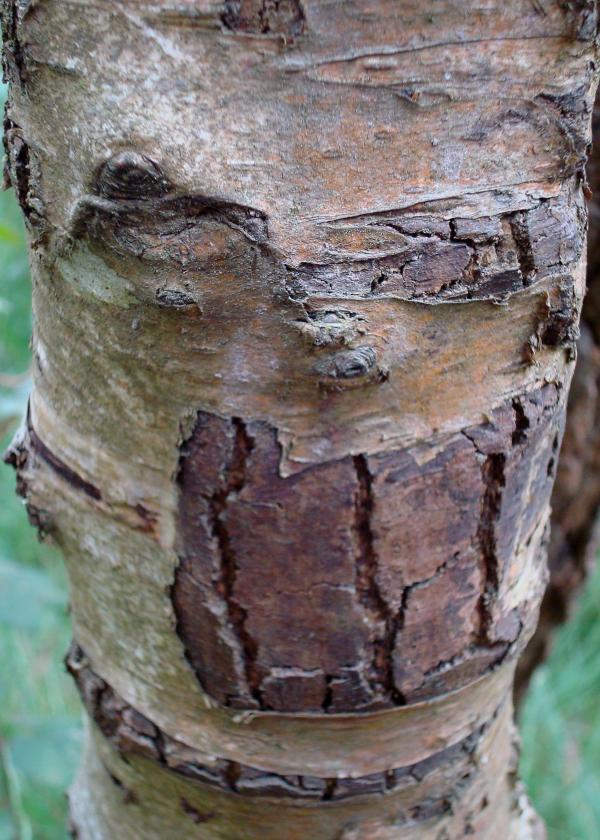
[307, 282]
[576, 498]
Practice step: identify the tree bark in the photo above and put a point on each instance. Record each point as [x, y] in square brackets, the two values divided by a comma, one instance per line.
[575, 499]
[306, 286]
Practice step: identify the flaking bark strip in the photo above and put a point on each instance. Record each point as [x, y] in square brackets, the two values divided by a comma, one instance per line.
[22, 172]
[13, 48]
[491, 258]
[133, 734]
[576, 497]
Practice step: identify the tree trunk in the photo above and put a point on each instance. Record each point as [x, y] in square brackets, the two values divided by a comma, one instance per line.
[576, 497]
[307, 279]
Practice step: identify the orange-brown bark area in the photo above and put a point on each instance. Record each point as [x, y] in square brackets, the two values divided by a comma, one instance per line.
[307, 279]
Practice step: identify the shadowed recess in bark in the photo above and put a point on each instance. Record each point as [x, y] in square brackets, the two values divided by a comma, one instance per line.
[283, 18]
[134, 207]
[22, 172]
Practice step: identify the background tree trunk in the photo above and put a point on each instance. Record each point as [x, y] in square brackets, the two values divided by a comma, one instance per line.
[307, 279]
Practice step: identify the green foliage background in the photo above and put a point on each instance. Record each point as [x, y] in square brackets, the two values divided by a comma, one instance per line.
[40, 718]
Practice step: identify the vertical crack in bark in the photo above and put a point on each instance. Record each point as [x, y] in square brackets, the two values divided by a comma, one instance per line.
[525, 257]
[388, 622]
[232, 774]
[235, 478]
[330, 786]
[328, 697]
[522, 423]
[493, 474]
[13, 46]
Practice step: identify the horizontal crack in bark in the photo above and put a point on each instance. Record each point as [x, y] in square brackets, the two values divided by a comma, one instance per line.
[59, 466]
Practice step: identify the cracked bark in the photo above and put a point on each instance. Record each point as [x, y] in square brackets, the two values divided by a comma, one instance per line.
[304, 332]
[576, 498]
[387, 622]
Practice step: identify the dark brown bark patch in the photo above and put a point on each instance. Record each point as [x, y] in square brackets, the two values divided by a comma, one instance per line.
[281, 575]
[360, 583]
[265, 17]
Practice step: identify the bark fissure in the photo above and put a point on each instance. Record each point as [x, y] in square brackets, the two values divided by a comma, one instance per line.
[369, 590]
[492, 471]
[19, 452]
[234, 480]
[522, 240]
[59, 467]
[522, 424]
[196, 816]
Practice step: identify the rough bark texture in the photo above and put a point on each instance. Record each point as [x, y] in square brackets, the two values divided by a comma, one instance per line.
[307, 282]
[576, 497]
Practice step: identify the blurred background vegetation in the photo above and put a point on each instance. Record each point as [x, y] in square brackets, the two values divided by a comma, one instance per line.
[40, 714]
